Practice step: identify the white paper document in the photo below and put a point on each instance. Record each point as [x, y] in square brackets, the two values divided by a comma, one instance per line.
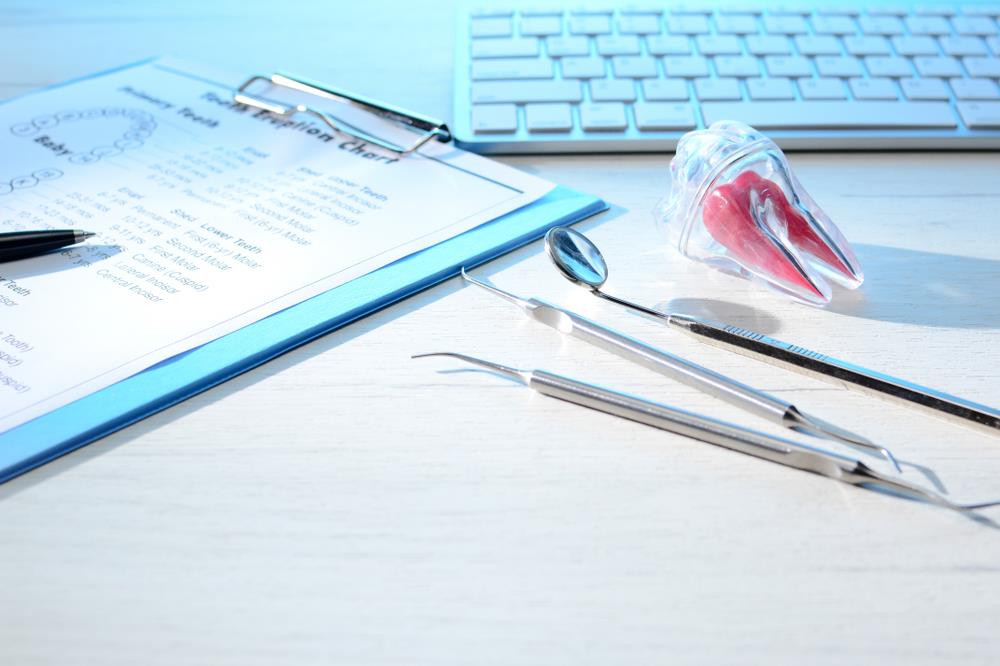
[209, 216]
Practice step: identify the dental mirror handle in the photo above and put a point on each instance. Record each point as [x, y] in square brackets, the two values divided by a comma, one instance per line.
[692, 374]
[830, 369]
[799, 359]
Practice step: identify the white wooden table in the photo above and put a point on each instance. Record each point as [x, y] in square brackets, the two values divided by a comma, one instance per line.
[344, 504]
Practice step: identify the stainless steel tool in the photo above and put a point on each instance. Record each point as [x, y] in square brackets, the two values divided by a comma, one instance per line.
[579, 260]
[708, 381]
[728, 435]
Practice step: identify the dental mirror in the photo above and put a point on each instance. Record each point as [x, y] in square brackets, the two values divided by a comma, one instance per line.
[579, 260]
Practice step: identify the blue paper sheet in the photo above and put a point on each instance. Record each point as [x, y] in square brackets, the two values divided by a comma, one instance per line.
[101, 413]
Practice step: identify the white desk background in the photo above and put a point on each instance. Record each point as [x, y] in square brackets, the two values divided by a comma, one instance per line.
[344, 504]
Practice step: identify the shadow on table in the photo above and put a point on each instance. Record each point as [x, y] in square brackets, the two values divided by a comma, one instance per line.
[901, 286]
[273, 367]
[923, 288]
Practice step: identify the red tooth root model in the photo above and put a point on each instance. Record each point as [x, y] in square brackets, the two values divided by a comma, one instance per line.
[735, 205]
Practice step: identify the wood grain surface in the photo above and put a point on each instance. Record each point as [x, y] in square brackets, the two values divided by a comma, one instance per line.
[347, 505]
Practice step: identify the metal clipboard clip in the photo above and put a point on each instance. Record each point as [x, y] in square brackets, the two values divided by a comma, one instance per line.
[396, 120]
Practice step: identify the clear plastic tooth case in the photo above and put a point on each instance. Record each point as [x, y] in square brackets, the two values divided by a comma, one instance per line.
[736, 205]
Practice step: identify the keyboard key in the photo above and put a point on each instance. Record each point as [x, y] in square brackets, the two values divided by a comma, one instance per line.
[869, 45]
[511, 68]
[612, 90]
[609, 45]
[665, 90]
[974, 25]
[975, 89]
[937, 66]
[915, 46]
[785, 25]
[934, 10]
[686, 66]
[837, 115]
[927, 25]
[661, 45]
[516, 47]
[880, 25]
[548, 117]
[639, 25]
[873, 89]
[685, 24]
[839, 66]
[717, 89]
[486, 92]
[486, 12]
[822, 89]
[494, 118]
[739, 66]
[981, 10]
[491, 27]
[567, 46]
[770, 89]
[605, 117]
[768, 45]
[837, 10]
[922, 89]
[736, 24]
[888, 10]
[639, 67]
[891, 66]
[833, 25]
[583, 68]
[812, 45]
[718, 44]
[541, 25]
[983, 67]
[963, 46]
[641, 9]
[994, 44]
[691, 9]
[590, 25]
[651, 116]
[980, 115]
[793, 66]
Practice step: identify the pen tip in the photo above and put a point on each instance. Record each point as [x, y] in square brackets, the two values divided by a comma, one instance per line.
[84, 235]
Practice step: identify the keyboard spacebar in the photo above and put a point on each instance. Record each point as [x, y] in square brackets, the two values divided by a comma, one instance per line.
[832, 115]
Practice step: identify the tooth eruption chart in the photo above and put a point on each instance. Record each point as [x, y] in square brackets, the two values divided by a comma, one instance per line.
[208, 216]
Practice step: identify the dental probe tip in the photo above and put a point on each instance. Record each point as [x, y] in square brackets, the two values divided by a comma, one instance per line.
[507, 371]
[816, 425]
[887, 454]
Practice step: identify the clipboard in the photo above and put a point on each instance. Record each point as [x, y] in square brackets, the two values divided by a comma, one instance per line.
[163, 385]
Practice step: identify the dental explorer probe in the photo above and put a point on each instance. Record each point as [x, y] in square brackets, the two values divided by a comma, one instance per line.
[708, 381]
[727, 435]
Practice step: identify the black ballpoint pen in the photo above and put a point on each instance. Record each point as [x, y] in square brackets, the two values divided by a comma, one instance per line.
[23, 244]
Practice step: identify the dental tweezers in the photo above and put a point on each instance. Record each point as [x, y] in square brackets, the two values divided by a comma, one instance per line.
[708, 381]
[728, 435]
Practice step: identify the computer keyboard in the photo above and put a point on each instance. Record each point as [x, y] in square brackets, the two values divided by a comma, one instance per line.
[636, 78]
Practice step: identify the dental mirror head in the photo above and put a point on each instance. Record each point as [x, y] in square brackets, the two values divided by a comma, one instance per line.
[576, 257]
[582, 263]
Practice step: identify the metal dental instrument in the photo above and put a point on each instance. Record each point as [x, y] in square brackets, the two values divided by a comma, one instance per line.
[720, 433]
[708, 381]
[579, 260]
